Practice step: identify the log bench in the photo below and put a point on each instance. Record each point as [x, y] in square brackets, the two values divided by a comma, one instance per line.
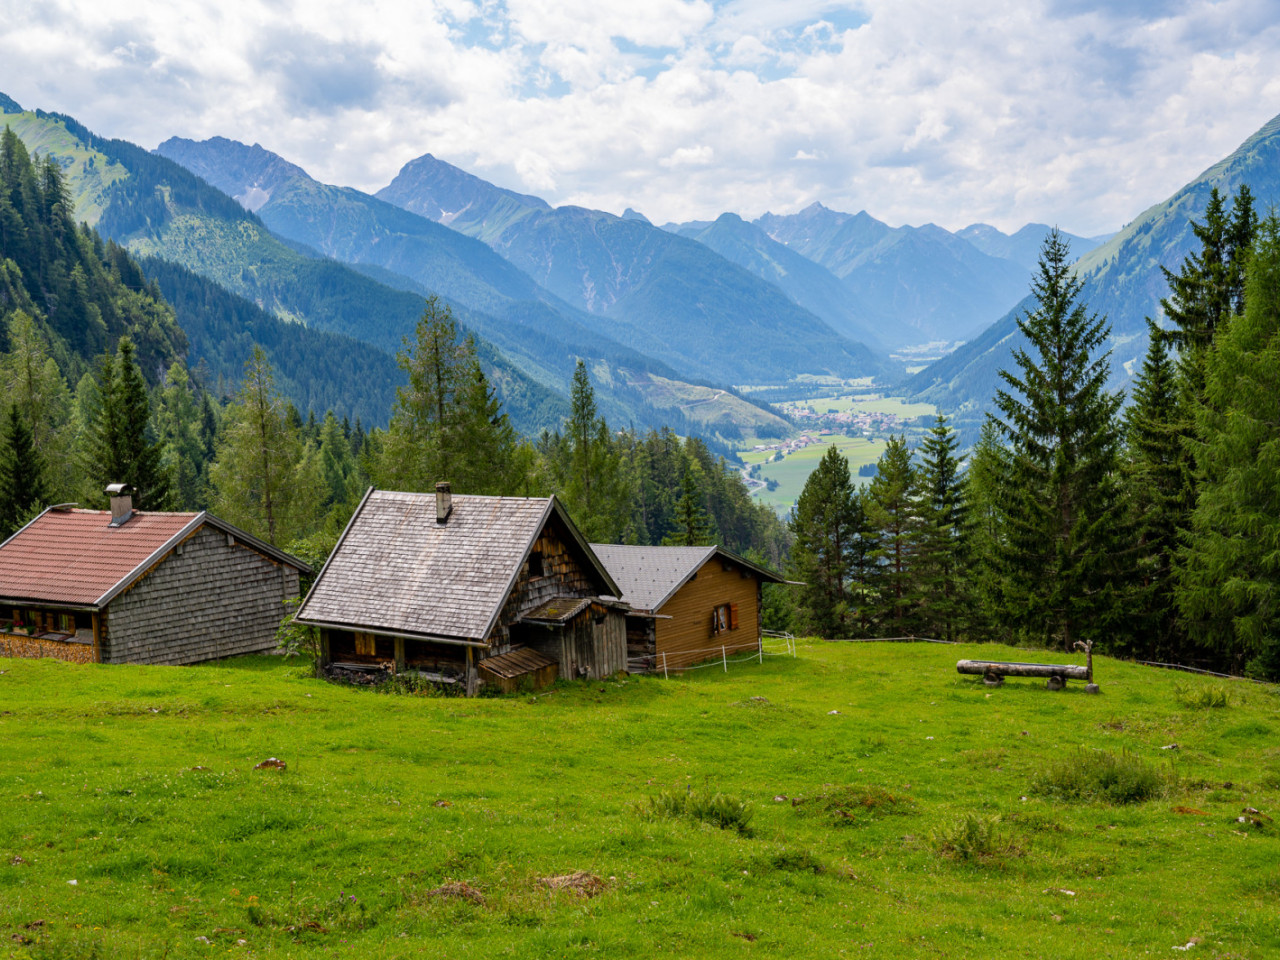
[1056, 675]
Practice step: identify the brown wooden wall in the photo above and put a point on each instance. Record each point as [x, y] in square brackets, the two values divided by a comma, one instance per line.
[687, 636]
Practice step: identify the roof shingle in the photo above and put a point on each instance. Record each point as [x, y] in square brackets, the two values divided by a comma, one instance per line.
[397, 569]
[76, 557]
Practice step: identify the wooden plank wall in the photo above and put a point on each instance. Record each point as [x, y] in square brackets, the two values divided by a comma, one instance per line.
[212, 600]
[564, 575]
[689, 629]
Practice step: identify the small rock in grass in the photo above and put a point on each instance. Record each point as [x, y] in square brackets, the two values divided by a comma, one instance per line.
[16, 861]
[779, 799]
[34, 925]
[73, 883]
[271, 763]
[198, 769]
[1171, 746]
[749, 937]
[20, 939]
[833, 713]
[442, 803]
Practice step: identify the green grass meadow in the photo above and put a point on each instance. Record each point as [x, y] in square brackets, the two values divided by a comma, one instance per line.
[793, 470]
[896, 810]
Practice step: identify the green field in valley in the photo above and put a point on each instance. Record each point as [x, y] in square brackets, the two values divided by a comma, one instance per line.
[793, 469]
[888, 808]
[862, 403]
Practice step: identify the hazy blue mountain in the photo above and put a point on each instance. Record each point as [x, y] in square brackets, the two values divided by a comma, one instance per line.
[9, 105]
[915, 284]
[1122, 278]
[809, 284]
[665, 295]
[541, 335]
[1023, 246]
[629, 214]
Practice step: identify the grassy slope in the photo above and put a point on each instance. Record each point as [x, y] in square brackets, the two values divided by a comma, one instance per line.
[98, 786]
[89, 173]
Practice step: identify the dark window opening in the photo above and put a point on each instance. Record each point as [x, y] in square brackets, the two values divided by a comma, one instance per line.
[535, 565]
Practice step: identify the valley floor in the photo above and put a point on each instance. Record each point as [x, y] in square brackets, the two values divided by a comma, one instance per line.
[132, 822]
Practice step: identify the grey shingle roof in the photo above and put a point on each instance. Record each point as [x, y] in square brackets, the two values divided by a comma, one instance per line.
[396, 569]
[649, 576]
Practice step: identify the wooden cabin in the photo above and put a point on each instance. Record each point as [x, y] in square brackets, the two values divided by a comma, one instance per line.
[467, 590]
[686, 604]
[131, 586]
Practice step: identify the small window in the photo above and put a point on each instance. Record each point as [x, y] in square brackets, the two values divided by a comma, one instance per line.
[535, 565]
[720, 619]
[724, 617]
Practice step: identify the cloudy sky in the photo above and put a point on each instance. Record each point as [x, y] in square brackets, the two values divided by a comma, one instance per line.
[952, 111]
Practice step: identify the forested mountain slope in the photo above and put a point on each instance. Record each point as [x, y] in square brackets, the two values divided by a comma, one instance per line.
[157, 208]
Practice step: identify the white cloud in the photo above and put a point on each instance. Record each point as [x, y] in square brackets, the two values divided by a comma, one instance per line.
[953, 111]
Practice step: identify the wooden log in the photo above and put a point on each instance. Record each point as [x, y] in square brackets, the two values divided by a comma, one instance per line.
[1067, 671]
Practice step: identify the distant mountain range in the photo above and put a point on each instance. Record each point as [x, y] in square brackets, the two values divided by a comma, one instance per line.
[1122, 277]
[666, 317]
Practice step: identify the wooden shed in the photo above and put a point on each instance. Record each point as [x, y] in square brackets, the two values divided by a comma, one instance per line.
[128, 586]
[686, 604]
[467, 589]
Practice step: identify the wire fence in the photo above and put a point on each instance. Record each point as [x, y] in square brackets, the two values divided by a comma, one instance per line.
[708, 657]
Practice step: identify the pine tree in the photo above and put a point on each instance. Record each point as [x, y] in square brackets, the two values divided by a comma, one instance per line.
[1062, 512]
[124, 448]
[265, 479]
[893, 516]
[447, 423]
[940, 544]
[22, 485]
[1228, 576]
[693, 526]
[986, 496]
[824, 524]
[1156, 482]
[591, 468]
[178, 417]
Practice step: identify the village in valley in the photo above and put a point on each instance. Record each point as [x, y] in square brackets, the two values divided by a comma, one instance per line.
[687, 480]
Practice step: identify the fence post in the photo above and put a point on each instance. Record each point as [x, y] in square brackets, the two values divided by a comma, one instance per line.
[761, 650]
[664, 665]
[724, 658]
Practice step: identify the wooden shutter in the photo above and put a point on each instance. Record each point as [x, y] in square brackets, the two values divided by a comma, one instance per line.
[366, 646]
[733, 616]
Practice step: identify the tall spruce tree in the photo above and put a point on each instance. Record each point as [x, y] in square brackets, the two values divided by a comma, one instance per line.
[264, 479]
[22, 485]
[1156, 481]
[1228, 577]
[1062, 509]
[893, 515]
[824, 524]
[940, 545]
[693, 526]
[124, 448]
[590, 467]
[985, 488]
[447, 423]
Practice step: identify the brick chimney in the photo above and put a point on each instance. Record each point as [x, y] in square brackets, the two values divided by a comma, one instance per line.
[121, 495]
[444, 501]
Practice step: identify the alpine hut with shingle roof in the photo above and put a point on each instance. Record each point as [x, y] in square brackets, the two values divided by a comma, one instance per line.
[131, 586]
[467, 590]
[686, 603]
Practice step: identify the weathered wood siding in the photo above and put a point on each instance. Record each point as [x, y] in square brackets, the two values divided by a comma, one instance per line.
[687, 637]
[212, 599]
[583, 647]
[563, 575]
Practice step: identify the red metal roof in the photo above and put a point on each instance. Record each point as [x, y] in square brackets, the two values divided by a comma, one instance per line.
[76, 556]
